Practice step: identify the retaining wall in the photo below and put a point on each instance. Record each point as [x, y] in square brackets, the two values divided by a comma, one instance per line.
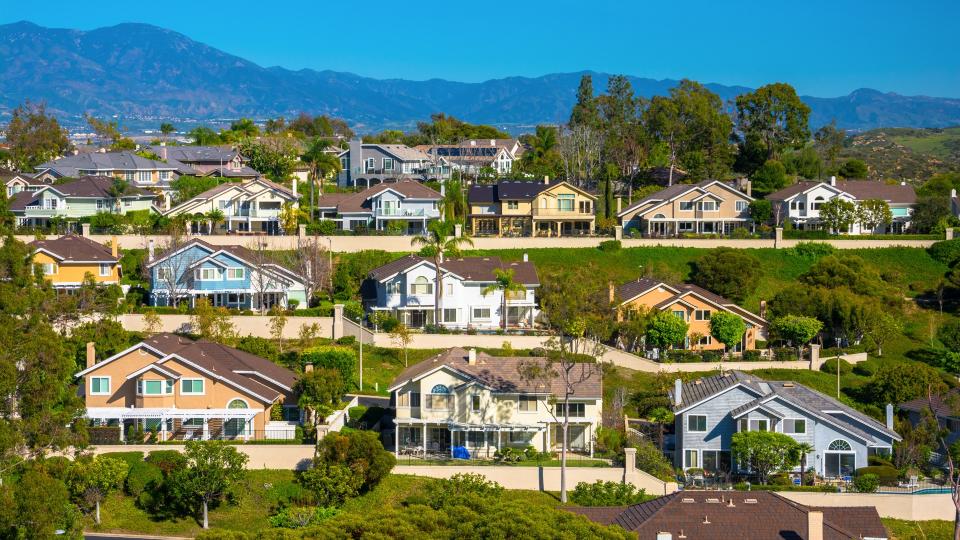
[252, 325]
[899, 506]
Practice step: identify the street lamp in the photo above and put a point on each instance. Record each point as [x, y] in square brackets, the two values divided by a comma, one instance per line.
[838, 366]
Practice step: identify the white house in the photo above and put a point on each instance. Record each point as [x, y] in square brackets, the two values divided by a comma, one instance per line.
[470, 399]
[252, 206]
[405, 289]
[800, 203]
[407, 202]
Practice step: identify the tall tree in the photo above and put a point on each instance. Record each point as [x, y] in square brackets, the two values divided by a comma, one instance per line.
[212, 467]
[96, 478]
[838, 214]
[34, 137]
[437, 241]
[106, 130]
[775, 117]
[828, 140]
[504, 283]
[322, 164]
[585, 112]
[166, 129]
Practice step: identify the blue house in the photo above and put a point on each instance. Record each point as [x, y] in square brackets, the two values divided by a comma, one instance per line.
[709, 410]
[229, 276]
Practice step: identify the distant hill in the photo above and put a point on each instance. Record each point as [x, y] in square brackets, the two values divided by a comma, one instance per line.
[144, 71]
[906, 153]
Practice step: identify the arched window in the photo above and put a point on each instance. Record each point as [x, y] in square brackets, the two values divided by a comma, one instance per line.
[440, 389]
[840, 445]
[238, 404]
[659, 216]
[421, 285]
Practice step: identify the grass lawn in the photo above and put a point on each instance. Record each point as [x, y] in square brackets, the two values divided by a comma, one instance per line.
[900, 529]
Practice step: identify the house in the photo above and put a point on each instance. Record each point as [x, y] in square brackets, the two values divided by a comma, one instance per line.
[229, 276]
[465, 398]
[136, 170]
[184, 389]
[250, 206]
[695, 305]
[365, 164]
[471, 156]
[707, 207]
[222, 161]
[746, 515]
[80, 198]
[17, 182]
[946, 408]
[710, 410]
[407, 202]
[522, 208]
[66, 261]
[404, 288]
[800, 203]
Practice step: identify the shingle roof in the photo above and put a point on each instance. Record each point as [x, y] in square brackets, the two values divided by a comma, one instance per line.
[632, 289]
[226, 186]
[672, 192]
[71, 247]
[860, 189]
[114, 161]
[85, 186]
[401, 151]
[503, 373]
[469, 268]
[947, 405]
[360, 201]
[737, 515]
[196, 154]
[503, 190]
[239, 252]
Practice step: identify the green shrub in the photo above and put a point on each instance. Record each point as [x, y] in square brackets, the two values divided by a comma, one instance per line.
[752, 356]
[866, 483]
[342, 359]
[346, 340]
[259, 346]
[610, 245]
[812, 250]
[651, 460]
[830, 366]
[865, 369]
[780, 479]
[886, 475]
[323, 227]
[130, 458]
[602, 493]
[167, 460]
[946, 251]
[461, 488]
[141, 477]
[875, 460]
[297, 517]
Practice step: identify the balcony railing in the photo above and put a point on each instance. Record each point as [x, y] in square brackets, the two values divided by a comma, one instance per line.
[403, 212]
[36, 208]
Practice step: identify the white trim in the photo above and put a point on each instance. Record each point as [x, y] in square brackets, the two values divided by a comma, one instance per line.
[687, 417]
[153, 366]
[245, 402]
[118, 355]
[262, 376]
[109, 385]
[212, 375]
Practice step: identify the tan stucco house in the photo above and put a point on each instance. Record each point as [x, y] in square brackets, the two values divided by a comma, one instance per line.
[68, 260]
[183, 389]
[707, 207]
[524, 208]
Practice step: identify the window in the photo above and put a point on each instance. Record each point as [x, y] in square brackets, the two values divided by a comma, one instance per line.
[206, 274]
[520, 437]
[577, 410]
[99, 386]
[697, 422]
[686, 205]
[705, 340]
[448, 289]
[235, 273]
[387, 164]
[481, 314]
[192, 423]
[449, 315]
[682, 315]
[191, 387]
[49, 269]
[143, 176]
[439, 402]
[708, 206]
[742, 205]
[840, 445]
[154, 387]
[759, 424]
[104, 269]
[702, 314]
[527, 404]
[716, 461]
[421, 285]
[164, 176]
[685, 226]
[794, 425]
[369, 164]
[164, 272]
[815, 205]
[101, 204]
[403, 399]
[414, 399]
[566, 202]
[513, 205]
[393, 287]
[586, 207]
[475, 403]
[691, 459]
[128, 176]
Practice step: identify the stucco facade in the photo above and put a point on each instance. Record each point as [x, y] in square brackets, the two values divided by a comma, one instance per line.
[518, 208]
[708, 207]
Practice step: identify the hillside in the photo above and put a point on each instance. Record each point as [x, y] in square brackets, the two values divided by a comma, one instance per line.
[906, 154]
[143, 72]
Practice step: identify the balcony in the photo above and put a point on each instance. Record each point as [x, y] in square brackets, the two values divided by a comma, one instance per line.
[40, 210]
[573, 213]
[403, 212]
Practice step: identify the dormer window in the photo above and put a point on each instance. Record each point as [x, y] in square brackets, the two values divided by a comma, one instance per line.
[421, 285]
[154, 387]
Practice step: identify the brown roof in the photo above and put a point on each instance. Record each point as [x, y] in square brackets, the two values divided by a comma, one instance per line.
[469, 268]
[737, 515]
[632, 289]
[860, 189]
[240, 252]
[359, 202]
[947, 405]
[246, 370]
[502, 373]
[74, 248]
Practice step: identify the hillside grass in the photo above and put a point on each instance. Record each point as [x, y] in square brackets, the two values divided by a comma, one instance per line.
[901, 529]
[942, 143]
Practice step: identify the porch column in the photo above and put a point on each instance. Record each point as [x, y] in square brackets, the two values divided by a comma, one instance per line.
[396, 441]
[559, 229]
[424, 441]
[590, 435]
[248, 427]
[206, 429]
[163, 427]
[546, 439]
[123, 436]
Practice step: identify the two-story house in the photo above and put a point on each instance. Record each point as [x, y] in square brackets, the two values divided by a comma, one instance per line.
[408, 202]
[710, 410]
[68, 260]
[404, 288]
[83, 197]
[136, 170]
[800, 203]
[365, 164]
[522, 208]
[473, 155]
[229, 276]
[17, 182]
[707, 207]
[183, 389]
[251, 206]
[464, 398]
[945, 407]
[694, 305]
[222, 161]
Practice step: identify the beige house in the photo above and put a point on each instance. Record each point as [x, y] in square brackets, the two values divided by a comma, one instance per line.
[522, 208]
[184, 389]
[251, 206]
[707, 207]
[464, 398]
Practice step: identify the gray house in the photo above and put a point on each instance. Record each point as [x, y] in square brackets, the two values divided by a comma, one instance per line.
[711, 409]
[411, 204]
[364, 165]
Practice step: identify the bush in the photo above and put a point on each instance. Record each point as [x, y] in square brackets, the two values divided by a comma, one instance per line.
[259, 346]
[602, 493]
[949, 335]
[947, 251]
[610, 245]
[651, 460]
[780, 479]
[462, 488]
[346, 340]
[751, 356]
[866, 483]
[812, 250]
[342, 359]
[167, 460]
[141, 477]
[865, 369]
[886, 475]
[830, 366]
[130, 458]
[323, 227]
[732, 273]
[875, 460]
[297, 517]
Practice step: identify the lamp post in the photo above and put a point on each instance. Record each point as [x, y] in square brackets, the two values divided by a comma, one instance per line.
[838, 367]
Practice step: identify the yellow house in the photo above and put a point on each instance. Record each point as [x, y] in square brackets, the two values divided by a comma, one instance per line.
[67, 260]
[184, 389]
[522, 208]
[695, 305]
[707, 207]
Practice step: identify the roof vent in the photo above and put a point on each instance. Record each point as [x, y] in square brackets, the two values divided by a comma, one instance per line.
[730, 503]
[706, 520]
[788, 385]
[712, 501]
[687, 500]
[750, 501]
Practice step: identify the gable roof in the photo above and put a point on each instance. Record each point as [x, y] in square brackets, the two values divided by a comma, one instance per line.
[360, 201]
[513, 190]
[242, 188]
[678, 190]
[93, 187]
[240, 253]
[633, 289]
[103, 161]
[944, 405]
[759, 515]
[859, 189]
[501, 374]
[72, 248]
[478, 269]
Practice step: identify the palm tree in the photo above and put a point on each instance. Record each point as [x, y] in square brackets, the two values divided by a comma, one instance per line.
[503, 282]
[660, 416]
[437, 241]
[322, 164]
[166, 129]
[541, 144]
[803, 449]
[117, 190]
[453, 206]
[214, 218]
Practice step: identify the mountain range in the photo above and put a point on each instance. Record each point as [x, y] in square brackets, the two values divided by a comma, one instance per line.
[143, 71]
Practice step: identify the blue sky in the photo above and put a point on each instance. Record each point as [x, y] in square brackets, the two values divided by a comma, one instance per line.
[822, 48]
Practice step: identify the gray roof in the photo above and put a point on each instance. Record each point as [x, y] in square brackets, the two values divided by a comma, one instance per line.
[196, 154]
[513, 190]
[85, 186]
[360, 202]
[104, 161]
[469, 268]
[674, 191]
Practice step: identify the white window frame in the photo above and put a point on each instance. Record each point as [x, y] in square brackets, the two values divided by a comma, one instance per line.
[184, 392]
[144, 176]
[742, 205]
[566, 412]
[709, 206]
[394, 287]
[164, 176]
[104, 269]
[686, 462]
[198, 274]
[692, 416]
[101, 204]
[686, 226]
[475, 403]
[521, 399]
[449, 319]
[164, 272]
[109, 385]
[783, 424]
[680, 314]
[49, 269]
[420, 287]
[475, 317]
[166, 387]
[237, 272]
[686, 206]
[387, 161]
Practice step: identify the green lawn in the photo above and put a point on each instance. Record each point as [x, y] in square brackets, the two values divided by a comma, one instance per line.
[900, 529]
[939, 143]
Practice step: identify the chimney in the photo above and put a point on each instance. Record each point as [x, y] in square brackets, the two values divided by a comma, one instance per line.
[890, 416]
[150, 250]
[619, 205]
[677, 392]
[114, 246]
[814, 525]
[91, 354]
[493, 142]
[163, 151]
[526, 258]
[308, 368]
[546, 180]
[749, 188]
[833, 180]
[611, 291]
[472, 357]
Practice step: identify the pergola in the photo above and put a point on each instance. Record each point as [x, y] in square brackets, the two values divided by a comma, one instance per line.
[460, 427]
[121, 414]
